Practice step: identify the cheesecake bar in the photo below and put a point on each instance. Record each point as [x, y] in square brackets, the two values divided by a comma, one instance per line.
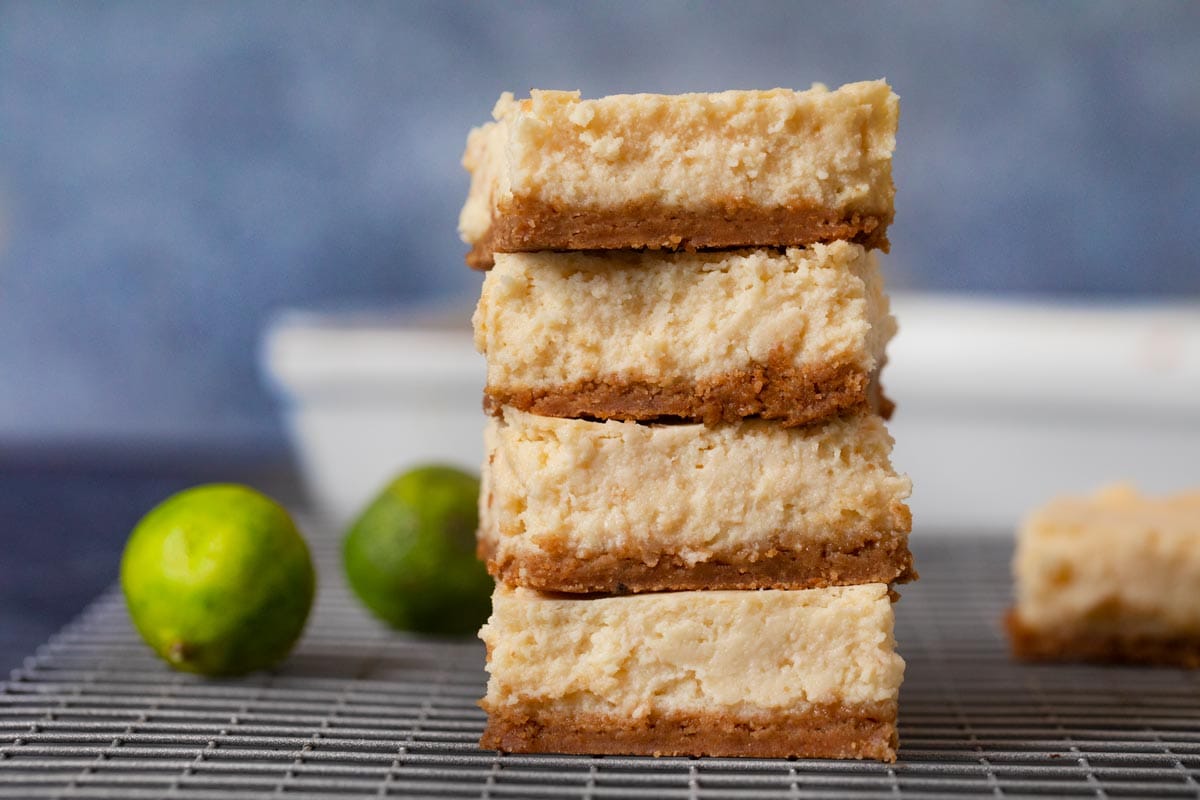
[1112, 578]
[810, 673]
[578, 506]
[734, 169]
[796, 335]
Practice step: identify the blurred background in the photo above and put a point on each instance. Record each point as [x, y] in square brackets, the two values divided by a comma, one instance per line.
[173, 176]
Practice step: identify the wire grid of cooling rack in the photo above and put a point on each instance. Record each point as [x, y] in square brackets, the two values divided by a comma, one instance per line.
[361, 712]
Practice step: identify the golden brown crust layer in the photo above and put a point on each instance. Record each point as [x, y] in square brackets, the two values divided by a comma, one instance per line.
[882, 559]
[832, 731]
[480, 255]
[1032, 645]
[775, 390]
[529, 226]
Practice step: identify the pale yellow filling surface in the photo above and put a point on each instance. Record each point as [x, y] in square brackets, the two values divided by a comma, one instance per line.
[643, 491]
[550, 319]
[723, 651]
[775, 149]
[1114, 562]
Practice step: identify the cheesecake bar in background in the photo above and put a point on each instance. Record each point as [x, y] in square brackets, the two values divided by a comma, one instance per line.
[796, 335]
[810, 673]
[690, 171]
[580, 506]
[1110, 578]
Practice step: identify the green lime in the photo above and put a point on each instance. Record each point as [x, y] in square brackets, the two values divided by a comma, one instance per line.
[411, 559]
[218, 580]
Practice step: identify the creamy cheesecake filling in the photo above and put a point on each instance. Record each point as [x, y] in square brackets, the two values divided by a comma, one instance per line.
[740, 653]
[590, 488]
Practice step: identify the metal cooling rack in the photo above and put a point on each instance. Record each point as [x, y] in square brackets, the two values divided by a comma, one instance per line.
[361, 712]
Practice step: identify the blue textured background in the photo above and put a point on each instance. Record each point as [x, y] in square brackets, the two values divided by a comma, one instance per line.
[172, 173]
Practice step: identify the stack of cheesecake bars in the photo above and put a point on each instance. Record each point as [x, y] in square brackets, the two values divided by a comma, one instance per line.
[688, 503]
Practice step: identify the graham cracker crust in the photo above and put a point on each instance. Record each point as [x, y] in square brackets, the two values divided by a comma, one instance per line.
[1031, 645]
[527, 226]
[882, 559]
[775, 390]
[480, 255]
[828, 731]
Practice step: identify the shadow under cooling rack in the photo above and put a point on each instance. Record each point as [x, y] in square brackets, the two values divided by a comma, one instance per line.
[360, 711]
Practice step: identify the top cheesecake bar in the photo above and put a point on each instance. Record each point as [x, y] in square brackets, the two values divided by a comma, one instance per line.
[691, 171]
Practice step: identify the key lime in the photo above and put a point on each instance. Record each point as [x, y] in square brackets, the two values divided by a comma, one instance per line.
[218, 580]
[410, 556]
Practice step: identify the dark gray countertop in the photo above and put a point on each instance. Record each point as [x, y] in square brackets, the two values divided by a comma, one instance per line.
[64, 518]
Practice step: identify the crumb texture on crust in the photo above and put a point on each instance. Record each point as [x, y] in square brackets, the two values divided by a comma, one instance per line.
[880, 559]
[567, 489]
[644, 336]
[531, 227]
[775, 391]
[1109, 646]
[1115, 566]
[833, 731]
[735, 652]
[776, 166]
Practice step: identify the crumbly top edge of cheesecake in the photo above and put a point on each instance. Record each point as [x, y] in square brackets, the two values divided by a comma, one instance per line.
[540, 101]
[814, 149]
[1115, 509]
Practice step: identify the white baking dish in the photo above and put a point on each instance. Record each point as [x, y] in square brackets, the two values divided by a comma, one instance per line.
[365, 396]
[1000, 405]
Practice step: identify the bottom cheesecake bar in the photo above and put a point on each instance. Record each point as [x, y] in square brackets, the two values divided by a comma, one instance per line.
[1109, 578]
[778, 673]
